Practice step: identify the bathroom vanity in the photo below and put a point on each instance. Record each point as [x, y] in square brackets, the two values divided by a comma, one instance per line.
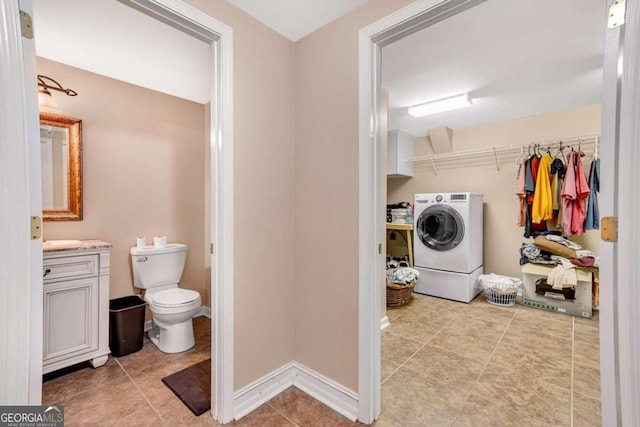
[76, 303]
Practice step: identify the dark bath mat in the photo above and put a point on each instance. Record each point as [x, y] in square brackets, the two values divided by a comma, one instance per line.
[193, 386]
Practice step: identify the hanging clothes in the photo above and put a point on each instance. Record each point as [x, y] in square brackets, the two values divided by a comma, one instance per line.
[558, 170]
[574, 192]
[529, 187]
[542, 224]
[542, 209]
[592, 221]
[522, 208]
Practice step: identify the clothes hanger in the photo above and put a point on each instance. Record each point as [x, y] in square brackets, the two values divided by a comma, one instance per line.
[520, 158]
[595, 149]
[562, 152]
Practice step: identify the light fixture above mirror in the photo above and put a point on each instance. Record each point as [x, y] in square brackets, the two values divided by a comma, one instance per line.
[46, 102]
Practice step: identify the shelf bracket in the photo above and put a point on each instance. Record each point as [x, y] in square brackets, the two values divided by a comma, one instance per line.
[433, 164]
[495, 156]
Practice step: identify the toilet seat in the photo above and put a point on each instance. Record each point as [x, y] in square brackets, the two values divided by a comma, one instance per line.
[174, 297]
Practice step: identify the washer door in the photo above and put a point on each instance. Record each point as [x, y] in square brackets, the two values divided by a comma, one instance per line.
[440, 228]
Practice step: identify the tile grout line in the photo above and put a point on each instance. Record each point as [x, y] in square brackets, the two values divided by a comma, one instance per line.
[573, 354]
[88, 389]
[485, 366]
[141, 392]
[415, 352]
[282, 414]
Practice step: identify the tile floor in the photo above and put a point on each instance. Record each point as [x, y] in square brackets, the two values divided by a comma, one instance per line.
[447, 363]
[444, 364]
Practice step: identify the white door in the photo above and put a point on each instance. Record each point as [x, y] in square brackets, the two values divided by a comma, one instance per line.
[20, 252]
[619, 278]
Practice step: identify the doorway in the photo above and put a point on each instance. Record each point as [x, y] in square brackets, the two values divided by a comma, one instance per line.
[220, 39]
[372, 40]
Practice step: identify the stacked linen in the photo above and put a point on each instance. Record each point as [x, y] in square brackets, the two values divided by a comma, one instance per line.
[402, 275]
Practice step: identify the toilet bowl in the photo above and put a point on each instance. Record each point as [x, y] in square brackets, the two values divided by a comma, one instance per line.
[172, 309]
[157, 271]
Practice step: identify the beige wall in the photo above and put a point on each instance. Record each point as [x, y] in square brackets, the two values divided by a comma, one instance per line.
[143, 171]
[264, 199]
[326, 177]
[502, 237]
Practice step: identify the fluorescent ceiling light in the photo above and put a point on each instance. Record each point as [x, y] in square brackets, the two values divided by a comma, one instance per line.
[441, 105]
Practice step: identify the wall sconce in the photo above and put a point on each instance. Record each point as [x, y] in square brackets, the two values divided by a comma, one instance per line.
[441, 105]
[46, 102]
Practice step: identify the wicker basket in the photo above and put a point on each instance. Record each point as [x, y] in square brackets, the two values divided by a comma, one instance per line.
[398, 295]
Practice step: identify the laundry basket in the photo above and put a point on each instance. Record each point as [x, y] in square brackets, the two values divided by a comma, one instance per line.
[500, 290]
[397, 294]
[400, 283]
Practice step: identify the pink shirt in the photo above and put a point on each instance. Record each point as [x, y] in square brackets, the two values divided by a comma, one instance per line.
[574, 192]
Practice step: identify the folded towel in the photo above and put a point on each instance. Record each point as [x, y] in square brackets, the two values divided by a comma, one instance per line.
[563, 241]
[560, 278]
[588, 261]
[584, 253]
[554, 247]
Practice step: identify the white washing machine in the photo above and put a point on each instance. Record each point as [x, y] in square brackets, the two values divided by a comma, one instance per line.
[447, 232]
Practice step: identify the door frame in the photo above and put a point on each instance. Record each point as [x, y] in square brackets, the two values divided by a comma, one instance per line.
[21, 257]
[620, 321]
[20, 254]
[371, 40]
[620, 275]
[220, 38]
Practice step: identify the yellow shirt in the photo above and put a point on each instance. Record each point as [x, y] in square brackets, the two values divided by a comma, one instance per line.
[542, 209]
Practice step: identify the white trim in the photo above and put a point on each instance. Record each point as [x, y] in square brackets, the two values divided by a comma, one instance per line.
[369, 299]
[262, 390]
[628, 293]
[205, 311]
[371, 38]
[384, 323]
[334, 395]
[321, 388]
[609, 374]
[20, 257]
[187, 18]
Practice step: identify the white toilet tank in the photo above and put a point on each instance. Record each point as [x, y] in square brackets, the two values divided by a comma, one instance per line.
[158, 266]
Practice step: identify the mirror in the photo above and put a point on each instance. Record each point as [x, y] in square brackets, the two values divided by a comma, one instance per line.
[61, 154]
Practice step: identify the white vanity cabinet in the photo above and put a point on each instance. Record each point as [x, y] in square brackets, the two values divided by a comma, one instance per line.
[76, 304]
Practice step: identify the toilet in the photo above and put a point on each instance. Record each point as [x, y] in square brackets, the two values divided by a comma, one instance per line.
[157, 271]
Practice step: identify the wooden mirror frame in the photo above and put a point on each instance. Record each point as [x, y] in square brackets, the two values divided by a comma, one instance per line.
[74, 167]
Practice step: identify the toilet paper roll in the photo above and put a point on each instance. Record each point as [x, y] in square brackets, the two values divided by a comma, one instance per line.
[160, 241]
[140, 243]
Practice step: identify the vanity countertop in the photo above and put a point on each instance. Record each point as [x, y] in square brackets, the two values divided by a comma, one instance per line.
[72, 245]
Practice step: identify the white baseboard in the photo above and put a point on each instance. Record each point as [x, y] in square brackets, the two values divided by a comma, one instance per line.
[334, 395]
[321, 388]
[384, 323]
[261, 391]
[204, 311]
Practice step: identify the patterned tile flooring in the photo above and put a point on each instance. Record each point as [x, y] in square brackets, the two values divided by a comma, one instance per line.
[443, 364]
[451, 364]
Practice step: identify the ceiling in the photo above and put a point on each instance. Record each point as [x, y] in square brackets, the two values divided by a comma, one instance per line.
[515, 58]
[295, 19]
